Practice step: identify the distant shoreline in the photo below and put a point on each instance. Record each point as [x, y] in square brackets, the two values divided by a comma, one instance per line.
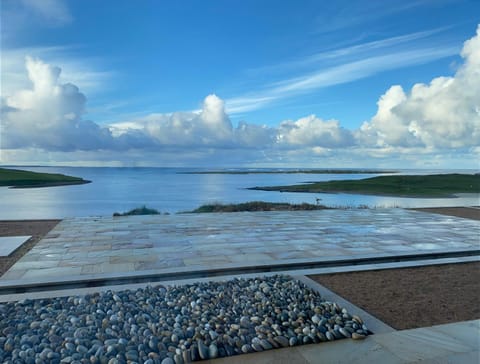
[296, 171]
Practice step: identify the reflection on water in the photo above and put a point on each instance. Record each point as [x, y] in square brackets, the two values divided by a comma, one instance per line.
[120, 189]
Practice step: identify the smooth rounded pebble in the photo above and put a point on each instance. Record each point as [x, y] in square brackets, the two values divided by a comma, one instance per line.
[172, 325]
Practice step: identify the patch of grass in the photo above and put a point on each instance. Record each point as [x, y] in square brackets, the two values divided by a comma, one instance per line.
[143, 210]
[425, 186]
[16, 178]
[256, 206]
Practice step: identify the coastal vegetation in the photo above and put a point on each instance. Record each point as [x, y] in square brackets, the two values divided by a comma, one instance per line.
[256, 206]
[293, 171]
[143, 210]
[426, 186]
[15, 178]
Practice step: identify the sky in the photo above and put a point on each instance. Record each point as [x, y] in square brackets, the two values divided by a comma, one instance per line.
[214, 83]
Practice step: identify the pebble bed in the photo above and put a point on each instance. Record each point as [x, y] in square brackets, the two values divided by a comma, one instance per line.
[170, 325]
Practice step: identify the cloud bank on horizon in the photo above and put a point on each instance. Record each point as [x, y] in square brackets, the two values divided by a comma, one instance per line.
[438, 119]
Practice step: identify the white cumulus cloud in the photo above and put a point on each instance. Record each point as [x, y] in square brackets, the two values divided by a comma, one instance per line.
[312, 131]
[208, 127]
[434, 119]
[442, 114]
[49, 115]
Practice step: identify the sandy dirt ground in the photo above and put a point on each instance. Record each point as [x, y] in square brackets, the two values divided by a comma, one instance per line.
[465, 212]
[412, 297]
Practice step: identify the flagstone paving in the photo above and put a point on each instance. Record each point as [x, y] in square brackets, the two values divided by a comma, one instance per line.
[107, 245]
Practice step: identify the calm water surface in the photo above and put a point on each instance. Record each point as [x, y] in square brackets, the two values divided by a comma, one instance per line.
[121, 189]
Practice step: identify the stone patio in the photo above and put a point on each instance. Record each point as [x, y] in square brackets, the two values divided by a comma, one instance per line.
[121, 245]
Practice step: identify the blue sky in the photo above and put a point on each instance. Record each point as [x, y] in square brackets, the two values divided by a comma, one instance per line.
[270, 64]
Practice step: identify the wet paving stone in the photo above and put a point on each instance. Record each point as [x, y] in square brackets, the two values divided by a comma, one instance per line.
[109, 245]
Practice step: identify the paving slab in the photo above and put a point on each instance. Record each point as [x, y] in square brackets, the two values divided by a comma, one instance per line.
[89, 247]
[8, 244]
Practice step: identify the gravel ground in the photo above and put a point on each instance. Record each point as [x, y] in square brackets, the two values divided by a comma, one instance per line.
[412, 297]
[465, 212]
[36, 228]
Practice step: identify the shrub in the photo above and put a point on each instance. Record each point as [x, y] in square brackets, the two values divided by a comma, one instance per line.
[143, 210]
[256, 206]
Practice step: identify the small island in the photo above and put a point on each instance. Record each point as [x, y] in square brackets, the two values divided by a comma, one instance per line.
[422, 186]
[15, 178]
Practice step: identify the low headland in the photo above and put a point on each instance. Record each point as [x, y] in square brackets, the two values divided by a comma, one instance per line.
[422, 186]
[15, 178]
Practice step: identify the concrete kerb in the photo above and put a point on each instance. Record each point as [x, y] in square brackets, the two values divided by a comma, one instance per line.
[327, 264]
[172, 281]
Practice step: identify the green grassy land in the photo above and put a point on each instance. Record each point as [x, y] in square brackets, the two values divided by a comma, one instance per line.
[257, 206]
[440, 185]
[144, 210]
[26, 179]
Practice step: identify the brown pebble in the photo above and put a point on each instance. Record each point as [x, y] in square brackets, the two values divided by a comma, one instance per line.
[357, 336]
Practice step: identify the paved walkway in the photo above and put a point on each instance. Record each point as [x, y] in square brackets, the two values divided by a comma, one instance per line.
[451, 343]
[109, 246]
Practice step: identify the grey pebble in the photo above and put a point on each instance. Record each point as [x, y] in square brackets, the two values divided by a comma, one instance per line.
[282, 340]
[186, 356]
[175, 324]
[194, 354]
[202, 349]
[345, 332]
[246, 348]
[265, 344]
[213, 351]
[257, 347]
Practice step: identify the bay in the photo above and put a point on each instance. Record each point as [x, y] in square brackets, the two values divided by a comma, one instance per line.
[171, 190]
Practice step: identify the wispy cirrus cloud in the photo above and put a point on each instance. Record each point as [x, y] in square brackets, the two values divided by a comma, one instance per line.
[346, 53]
[345, 72]
[53, 11]
[360, 69]
[343, 14]
[21, 17]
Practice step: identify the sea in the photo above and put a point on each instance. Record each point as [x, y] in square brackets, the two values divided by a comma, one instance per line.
[173, 190]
